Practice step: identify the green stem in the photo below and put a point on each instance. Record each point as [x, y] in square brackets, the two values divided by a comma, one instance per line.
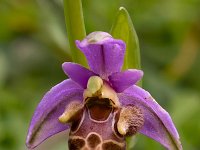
[75, 28]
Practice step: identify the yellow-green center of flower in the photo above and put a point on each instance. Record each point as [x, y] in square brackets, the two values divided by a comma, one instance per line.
[96, 87]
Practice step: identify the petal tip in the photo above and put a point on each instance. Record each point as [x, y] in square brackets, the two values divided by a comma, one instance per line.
[139, 74]
[28, 144]
[78, 43]
[65, 67]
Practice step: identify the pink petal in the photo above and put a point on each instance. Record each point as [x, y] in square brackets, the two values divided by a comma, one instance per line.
[77, 73]
[122, 80]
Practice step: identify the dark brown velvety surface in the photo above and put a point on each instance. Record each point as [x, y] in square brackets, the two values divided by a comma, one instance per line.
[93, 140]
[76, 144]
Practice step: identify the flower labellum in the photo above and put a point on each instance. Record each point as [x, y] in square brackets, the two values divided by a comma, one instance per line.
[101, 106]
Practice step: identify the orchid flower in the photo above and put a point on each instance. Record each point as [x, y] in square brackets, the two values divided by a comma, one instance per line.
[103, 105]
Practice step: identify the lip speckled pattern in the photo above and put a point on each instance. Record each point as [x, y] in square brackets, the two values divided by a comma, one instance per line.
[96, 133]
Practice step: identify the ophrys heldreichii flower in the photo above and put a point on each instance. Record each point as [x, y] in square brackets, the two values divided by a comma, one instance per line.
[101, 106]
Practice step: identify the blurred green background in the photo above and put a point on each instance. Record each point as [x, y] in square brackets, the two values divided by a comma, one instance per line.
[33, 45]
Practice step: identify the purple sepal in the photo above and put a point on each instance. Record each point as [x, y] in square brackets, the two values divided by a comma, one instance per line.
[158, 124]
[45, 119]
[122, 80]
